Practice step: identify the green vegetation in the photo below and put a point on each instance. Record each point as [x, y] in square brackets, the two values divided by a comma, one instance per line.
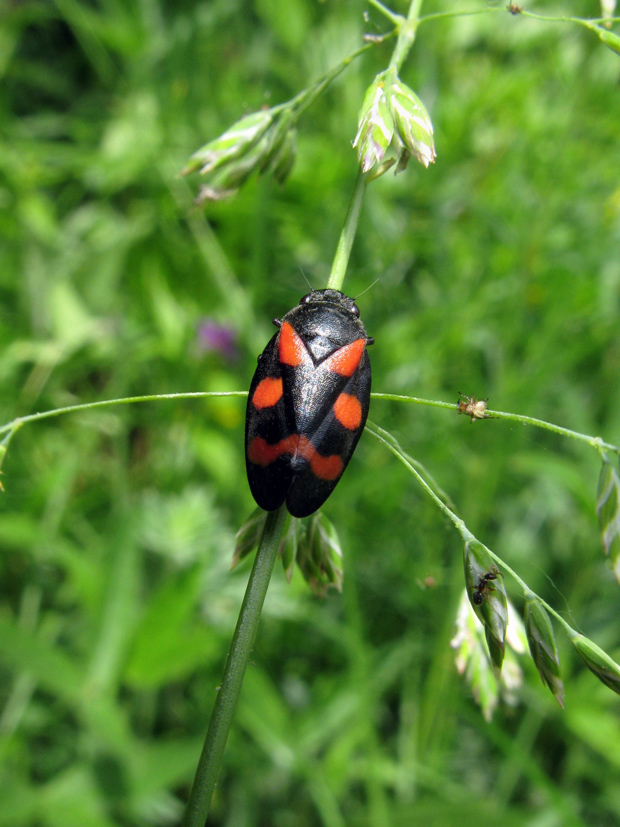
[499, 276]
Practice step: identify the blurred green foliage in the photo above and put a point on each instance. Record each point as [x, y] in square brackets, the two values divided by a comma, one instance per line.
[500, 277]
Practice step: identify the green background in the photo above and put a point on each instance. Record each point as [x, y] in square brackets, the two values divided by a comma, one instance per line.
[499, 276]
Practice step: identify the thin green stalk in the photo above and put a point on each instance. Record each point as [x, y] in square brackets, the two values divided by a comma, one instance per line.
[459, 524]
[443, 495]
[343, 251]
[232, 679]
[406, 35]
[394, 447]
[305, 98]
[592, 441]
[563, 19]
[12, 427]
[446, 14]
[396, 19]
[600, 27]
[414, 400]
[587, 22]
[17, 423]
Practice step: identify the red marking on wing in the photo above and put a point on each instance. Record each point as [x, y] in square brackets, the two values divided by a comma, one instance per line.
[260, 452]
[291, 349]
[268, 393]
[345, 360]
[348, 411]
[327, 468]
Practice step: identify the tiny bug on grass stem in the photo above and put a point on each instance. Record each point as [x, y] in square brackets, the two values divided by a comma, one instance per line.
[485, 586]
[474, 408]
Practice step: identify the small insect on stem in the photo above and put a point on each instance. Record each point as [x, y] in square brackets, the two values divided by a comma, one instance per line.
[474, 408]
[485, 586]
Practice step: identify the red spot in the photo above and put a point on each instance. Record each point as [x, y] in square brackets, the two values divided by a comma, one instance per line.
[268, 393]
[348, 411]
[260, 452]
[291, 348]
[327, 468]
[345, 361]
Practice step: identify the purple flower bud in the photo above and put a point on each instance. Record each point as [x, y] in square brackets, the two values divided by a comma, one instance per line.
[218, 338]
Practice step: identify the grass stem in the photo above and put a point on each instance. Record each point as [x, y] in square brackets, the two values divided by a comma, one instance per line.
[232, 679]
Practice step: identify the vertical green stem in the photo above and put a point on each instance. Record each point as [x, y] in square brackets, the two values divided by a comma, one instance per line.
[343, 252]
[247, 625]
[238, 656]
[406, 35]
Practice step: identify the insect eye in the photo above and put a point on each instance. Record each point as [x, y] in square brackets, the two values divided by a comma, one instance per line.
[305, 298]
[355, 310]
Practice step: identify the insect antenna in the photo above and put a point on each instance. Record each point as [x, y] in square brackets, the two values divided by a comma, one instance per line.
[366, 289]
[306, 279]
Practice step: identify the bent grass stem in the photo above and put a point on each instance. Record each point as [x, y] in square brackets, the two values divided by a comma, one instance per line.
[466, 534]
[14, 425]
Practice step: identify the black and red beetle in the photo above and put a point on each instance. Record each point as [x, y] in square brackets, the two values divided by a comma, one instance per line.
[308, 403]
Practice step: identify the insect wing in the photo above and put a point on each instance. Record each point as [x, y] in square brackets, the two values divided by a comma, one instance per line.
[308, 404]
[331, 415]
[269, 432]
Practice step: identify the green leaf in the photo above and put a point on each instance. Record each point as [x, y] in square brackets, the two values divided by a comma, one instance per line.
[608, 511]
[169, 642]
[74, 797]
[24, 651]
